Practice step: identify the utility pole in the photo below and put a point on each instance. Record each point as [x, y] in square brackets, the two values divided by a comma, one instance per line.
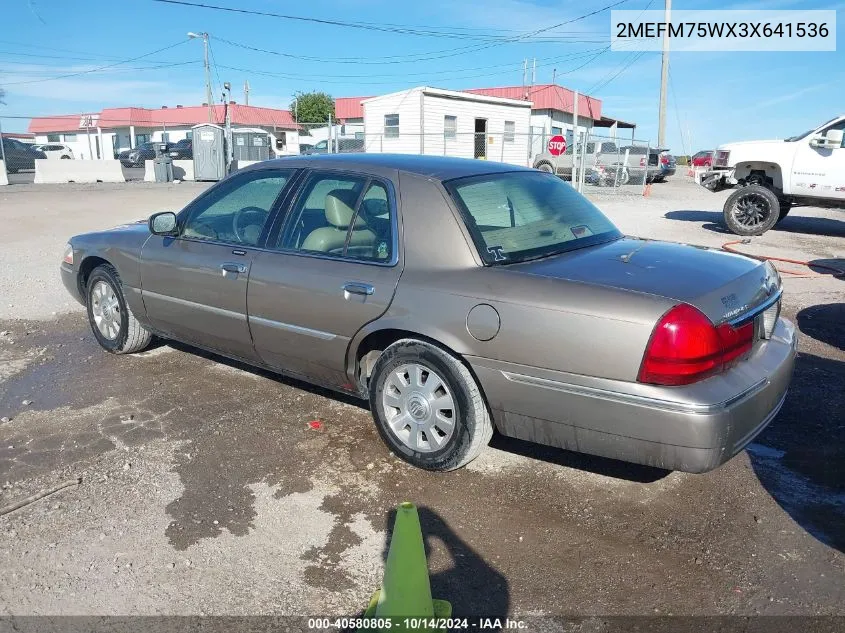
[209, 100]
[246, 92]
[534, 72]
[524, 71]
[664, 79]
[554, 75]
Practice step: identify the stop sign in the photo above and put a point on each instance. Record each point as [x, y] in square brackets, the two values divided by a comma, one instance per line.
[557, 145]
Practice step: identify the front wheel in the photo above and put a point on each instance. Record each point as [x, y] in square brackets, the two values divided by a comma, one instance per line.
[427, 406]
[112, 321]
[751, 210]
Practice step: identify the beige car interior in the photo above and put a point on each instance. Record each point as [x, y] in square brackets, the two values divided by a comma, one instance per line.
[340, 209]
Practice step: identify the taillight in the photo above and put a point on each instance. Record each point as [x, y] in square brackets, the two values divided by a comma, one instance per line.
[664, 160]
[642, 162]
[686, 347]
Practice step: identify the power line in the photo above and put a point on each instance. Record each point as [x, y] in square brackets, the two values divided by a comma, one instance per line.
[358, 78]
[52, 70]
[547, 62]
[93, 70]
[380, 27]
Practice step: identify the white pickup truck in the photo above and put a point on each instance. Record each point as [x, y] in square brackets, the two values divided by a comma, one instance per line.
[774, 176]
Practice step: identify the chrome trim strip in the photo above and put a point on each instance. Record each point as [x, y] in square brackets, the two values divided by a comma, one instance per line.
[628, 398]
[757, 309]
[296, 329]
[193, 304]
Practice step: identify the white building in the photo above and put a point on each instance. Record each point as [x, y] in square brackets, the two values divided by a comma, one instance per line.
[554, 110]
[433, 121]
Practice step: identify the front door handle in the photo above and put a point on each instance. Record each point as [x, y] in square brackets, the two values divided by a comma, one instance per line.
[230, 267]
[358, 289]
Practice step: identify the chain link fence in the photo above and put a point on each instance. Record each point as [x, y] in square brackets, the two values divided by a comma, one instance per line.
[602, 163]
[606, 164]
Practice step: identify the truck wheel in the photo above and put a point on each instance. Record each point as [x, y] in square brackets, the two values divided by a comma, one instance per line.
[751, 210]
[546, 167]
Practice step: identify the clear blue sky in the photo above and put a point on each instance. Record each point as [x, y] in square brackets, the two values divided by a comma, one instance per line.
[714, 97]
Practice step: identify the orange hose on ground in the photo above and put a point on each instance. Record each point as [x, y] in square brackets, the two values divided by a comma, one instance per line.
[835, 272]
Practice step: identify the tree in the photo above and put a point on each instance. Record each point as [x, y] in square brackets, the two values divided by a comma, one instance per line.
[312, 107]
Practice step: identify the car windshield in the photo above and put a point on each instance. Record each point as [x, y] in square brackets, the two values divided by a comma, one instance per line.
[517, 216]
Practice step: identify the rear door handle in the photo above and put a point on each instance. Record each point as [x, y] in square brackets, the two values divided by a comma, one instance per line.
[230, 267]
[358, 289]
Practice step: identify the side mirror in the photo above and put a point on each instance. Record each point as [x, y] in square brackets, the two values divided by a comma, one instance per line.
[163, 223]
[832, 139]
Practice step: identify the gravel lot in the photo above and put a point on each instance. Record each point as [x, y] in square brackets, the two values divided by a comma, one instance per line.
[205, 490]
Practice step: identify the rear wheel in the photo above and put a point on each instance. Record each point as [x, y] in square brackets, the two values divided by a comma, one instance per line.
[112, 321]
[751, 210]
[427, 406]
[546, 167]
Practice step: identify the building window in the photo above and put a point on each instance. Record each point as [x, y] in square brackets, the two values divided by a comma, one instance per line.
[510, 131]
[53, 138]
[450, 127]
[556, 130]
[391, 126]
[140, 139]
[70, 137]
[189, 135]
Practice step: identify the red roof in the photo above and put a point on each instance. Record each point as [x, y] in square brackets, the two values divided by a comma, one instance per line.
[547, 97]
[349, 108]
[543, 96]
[148, 118]
[62, 123]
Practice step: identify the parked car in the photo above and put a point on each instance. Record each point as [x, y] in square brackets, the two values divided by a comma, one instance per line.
[56, 150]
[595, 154]
[341, 145]
[702, 159]
[19, 155]
[455, 296]
[144, 152]
[182, 150]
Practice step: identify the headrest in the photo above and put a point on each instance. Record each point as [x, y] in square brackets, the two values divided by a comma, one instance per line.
[340, 207]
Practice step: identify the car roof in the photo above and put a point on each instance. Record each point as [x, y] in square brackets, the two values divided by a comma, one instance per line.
[437, 167]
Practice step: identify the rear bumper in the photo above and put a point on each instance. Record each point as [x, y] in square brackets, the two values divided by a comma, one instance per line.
[693, 428]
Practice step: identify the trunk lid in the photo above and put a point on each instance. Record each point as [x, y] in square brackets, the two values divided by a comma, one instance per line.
[722, 285]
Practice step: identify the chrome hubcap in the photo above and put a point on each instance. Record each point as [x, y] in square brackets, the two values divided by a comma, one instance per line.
[419, 408]
[106, 310]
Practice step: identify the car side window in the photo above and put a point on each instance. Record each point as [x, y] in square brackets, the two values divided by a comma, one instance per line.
[236, 211]
[332, 217]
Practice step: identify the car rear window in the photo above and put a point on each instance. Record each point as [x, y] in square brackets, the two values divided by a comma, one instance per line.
[525, 215]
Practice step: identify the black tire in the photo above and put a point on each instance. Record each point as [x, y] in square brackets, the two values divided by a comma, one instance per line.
[131, 336]
[545, 166]
[65, 157]
[473, 427]
[751, 210]
[785, 208]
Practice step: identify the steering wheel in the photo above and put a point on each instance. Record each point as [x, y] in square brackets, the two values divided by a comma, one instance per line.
[238, 226]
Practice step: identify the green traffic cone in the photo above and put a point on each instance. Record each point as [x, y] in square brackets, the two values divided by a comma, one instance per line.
[406, 591]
